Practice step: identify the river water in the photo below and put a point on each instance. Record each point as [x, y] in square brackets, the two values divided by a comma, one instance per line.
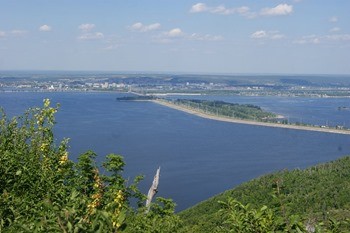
[198, 157]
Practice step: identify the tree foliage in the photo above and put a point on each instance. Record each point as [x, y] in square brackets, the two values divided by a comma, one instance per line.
[42, 190]
[221, 108]
[244, 219]
[316, 197]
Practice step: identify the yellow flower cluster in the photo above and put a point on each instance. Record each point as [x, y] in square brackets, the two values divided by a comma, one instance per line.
[98, 194]
[96, 201]
[44, 147]
[40, 120]
[119, 201]
[46, 103]
[64, 158]
[46, 113]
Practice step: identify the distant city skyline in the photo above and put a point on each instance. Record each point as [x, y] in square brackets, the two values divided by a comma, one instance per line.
[213, 36]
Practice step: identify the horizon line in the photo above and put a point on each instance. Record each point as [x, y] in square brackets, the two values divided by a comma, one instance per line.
[178, 72]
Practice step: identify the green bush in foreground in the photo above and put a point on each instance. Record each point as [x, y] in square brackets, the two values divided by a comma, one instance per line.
[41, 190]
[241, 218]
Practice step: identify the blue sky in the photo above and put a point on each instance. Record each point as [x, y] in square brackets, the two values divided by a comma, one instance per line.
[213, 36]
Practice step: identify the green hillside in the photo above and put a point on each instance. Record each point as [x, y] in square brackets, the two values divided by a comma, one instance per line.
[319, 193]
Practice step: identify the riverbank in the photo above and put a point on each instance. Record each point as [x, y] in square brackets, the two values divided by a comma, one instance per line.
[248, 122]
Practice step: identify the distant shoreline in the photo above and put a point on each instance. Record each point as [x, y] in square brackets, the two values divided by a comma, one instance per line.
[248, 122]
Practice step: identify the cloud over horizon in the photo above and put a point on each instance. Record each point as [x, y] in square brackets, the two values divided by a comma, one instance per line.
[176, 32]
[87, 32]
[86, 27]
[314, 39]
[45, 28]
[222, 10]
[262, 34]
[333, 19]
[91, 36]
[281, 9]
[145, 28]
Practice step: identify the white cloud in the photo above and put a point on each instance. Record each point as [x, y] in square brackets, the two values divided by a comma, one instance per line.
[207, 37]
[335, 29]
[45, 28]
[18, 32]
[137, 26]
[169, 36]
[222, 10]
[91, 36]
[277, 36]
[112, 47]
[299, 41]
[199, 7]
[243, 10]
[333, 19]
[87, 33]
[86, 27]
[152, 27]
[272, 35]
[13, 33]
[259, 34]
[176, 32]
[281, 9]
[338, 37]
[314, 39]
[112, 42]
[310, 39]
[145, 28]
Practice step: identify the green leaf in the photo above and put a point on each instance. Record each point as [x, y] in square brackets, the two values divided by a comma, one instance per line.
[70, 227]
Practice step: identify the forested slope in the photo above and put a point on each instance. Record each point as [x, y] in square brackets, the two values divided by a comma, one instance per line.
[319, 193]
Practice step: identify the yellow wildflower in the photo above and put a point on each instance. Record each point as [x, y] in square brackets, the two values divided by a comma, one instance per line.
[96, 197]
[46, 103]
[119, 201]
[44, 147]
[64, 158]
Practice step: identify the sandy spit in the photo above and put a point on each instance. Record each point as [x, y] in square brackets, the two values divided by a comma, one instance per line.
[248, 122]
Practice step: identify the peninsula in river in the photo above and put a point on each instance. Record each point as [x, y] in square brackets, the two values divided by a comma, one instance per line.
[266, 119]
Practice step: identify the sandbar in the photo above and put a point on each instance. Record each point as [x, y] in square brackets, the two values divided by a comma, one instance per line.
[248, 122]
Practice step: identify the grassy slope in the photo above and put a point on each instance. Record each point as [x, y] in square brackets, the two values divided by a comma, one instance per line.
[317, 192]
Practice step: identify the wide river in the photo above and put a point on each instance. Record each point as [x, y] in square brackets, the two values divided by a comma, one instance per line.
[198, 157]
